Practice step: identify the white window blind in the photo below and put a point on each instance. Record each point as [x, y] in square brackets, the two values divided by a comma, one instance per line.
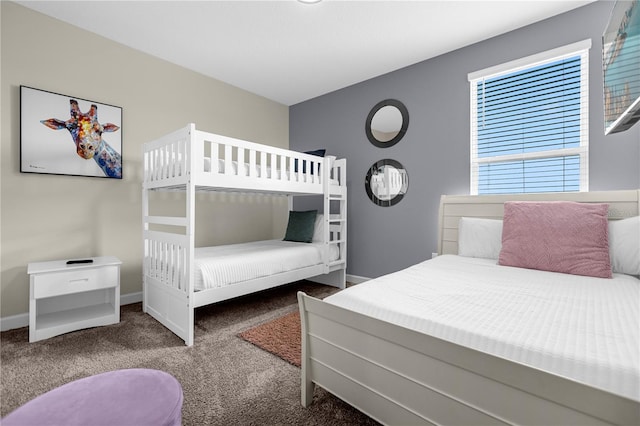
[529, 124]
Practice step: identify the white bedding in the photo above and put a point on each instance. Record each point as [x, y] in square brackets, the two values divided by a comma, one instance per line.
[583, 328]
[225, 265]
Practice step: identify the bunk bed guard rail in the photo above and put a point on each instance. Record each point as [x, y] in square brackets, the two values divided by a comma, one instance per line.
[220, 162]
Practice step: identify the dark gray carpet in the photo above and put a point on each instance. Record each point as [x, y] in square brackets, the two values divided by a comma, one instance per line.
[225, 380]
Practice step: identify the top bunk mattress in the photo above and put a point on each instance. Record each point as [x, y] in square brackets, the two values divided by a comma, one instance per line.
[220, 266]
[583, 328]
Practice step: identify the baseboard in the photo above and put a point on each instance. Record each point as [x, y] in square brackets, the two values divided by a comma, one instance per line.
[128, 299]
[14, 321]
[22, 320]
[355, 279]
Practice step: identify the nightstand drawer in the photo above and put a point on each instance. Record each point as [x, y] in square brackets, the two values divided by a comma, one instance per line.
[79, 280]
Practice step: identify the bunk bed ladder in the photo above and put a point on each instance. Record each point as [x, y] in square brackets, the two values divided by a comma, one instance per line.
[335, 217]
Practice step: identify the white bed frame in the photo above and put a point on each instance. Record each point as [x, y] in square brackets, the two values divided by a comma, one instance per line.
[177, 162]
[399, 376]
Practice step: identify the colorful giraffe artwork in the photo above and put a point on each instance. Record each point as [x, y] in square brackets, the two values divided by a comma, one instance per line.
[86, 132]
[97, 139]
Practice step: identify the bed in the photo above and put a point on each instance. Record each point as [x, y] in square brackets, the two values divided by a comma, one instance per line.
[179, 277]
[497, 345]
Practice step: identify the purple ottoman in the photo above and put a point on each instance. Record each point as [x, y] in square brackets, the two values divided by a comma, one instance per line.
[118, 398]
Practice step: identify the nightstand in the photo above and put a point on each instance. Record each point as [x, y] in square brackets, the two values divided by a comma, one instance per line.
[64, 298]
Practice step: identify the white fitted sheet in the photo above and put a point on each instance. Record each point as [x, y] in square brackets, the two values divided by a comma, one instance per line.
[583, 328]
[229, 264]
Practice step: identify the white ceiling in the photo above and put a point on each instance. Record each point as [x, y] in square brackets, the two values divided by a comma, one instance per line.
[290, 52]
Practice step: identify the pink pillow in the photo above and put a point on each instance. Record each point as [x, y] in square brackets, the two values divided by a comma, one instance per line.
[557, 236]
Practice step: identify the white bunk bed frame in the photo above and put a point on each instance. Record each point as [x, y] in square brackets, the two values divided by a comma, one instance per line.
[177, 162]
[399, 376]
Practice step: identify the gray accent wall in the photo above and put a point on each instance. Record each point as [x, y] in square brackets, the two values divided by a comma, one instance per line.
[435, 150]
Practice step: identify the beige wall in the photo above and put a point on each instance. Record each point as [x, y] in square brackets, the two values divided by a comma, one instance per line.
[47, 217]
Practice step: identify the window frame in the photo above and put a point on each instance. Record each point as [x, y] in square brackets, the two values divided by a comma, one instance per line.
[580, 48]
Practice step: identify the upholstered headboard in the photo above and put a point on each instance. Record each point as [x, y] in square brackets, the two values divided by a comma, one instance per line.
[622, 204]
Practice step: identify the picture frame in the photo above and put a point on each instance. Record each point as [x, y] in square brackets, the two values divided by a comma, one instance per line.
[68, 135]
[620, 65]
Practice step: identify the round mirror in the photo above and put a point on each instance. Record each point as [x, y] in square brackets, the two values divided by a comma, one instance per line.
[386, 183]
[387, 123]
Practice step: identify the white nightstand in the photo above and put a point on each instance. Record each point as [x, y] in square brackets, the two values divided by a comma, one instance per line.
[65, 298]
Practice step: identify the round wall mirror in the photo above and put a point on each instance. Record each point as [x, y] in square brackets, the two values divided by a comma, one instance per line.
[386, 183]
[387, 123]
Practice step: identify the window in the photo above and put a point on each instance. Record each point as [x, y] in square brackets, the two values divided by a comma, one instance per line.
[529, 124]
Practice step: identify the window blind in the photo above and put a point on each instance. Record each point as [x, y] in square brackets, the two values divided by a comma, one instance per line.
[529, 127]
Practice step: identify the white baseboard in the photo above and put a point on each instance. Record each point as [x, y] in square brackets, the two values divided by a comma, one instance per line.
[128, 299]
[355, 279]
[22, 320]
[14, 321]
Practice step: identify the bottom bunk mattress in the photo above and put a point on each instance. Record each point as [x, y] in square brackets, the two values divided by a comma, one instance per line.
[586, 329]
[220, 266]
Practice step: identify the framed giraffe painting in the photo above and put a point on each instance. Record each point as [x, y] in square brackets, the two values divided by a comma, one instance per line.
[67, 135]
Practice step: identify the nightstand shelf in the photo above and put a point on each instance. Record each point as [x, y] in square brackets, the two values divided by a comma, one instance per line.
[75, 319]
[65, 298]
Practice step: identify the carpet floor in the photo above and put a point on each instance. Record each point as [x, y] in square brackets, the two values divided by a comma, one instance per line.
[225, 379]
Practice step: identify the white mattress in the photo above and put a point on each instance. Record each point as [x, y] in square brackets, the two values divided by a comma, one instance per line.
[583, 328]
[225, 265]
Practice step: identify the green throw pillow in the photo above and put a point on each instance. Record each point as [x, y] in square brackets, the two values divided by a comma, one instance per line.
[301, 225]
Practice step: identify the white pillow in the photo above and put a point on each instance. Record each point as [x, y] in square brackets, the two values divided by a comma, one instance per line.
[318, 228]
[624, 245]
[479, 237]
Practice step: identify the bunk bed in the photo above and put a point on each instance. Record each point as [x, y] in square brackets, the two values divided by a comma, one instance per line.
[445, 352]
[178, 277]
